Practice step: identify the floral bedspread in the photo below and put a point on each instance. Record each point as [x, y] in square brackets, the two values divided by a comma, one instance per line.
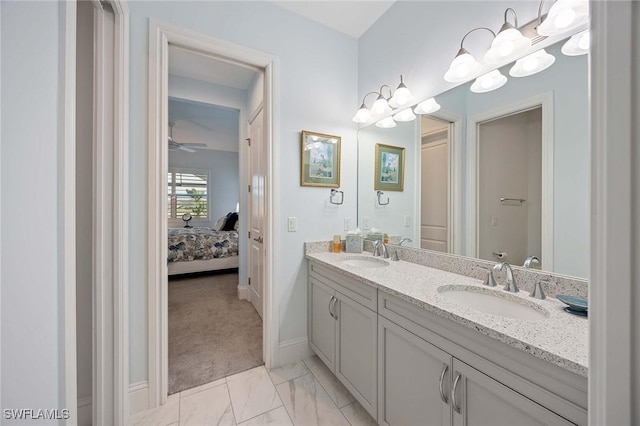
[187, 244]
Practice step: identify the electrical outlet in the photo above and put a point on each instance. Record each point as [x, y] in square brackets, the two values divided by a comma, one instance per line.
[407, 221]
[366, 222]
[347, 223]
[292, 224]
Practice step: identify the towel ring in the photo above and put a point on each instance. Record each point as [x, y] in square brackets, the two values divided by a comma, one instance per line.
[380, 194]
[334, 192]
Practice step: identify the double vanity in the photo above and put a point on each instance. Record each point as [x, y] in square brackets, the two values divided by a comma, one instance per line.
[421, 345]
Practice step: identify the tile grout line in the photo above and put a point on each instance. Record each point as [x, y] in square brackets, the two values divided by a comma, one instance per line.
[235, 419]
[276, 388]
[335, 403]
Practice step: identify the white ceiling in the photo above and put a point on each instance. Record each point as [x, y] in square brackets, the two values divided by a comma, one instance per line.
[189, 64]
[195, 122]
[351, 17]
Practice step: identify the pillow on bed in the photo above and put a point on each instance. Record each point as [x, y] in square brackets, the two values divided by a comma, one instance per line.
[220, 223]
[230, 223]
[236, 227]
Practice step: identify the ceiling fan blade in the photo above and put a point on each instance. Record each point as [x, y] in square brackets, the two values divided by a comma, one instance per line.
[186, 149]
[195, 145]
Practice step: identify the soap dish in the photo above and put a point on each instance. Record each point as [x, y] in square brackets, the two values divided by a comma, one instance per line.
[576, 305]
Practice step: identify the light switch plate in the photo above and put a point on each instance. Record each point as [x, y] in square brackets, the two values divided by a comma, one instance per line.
[494, 221]
[366, 222]
[407, 221]
[347, 223]
[292, 224]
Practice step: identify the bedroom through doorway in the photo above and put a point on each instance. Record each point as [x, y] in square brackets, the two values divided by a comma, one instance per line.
[213, 330]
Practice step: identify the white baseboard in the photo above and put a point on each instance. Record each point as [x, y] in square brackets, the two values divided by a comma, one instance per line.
[85, 412]
[243, 292]
[138, 397]
[293, 350]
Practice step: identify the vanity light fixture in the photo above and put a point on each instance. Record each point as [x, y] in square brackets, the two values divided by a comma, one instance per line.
[532, 64]
[404, 115]
[363, 115]
[509, 43]
[488, 82]
[402, 96]
[427, 107]
[384, 104]
[464, 66]
[564, 15]
[386, 123]
[578, 44]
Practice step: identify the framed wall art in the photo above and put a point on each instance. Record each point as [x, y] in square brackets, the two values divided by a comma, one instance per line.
[389, 168]
[320, 160]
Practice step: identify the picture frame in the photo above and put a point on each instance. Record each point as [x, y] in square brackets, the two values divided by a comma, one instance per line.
[389, 168]
[320, 160]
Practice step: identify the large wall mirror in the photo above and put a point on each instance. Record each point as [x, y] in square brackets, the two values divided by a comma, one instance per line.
[501, 176]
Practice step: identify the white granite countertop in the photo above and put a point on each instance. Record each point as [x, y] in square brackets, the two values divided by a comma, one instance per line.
[560, 338]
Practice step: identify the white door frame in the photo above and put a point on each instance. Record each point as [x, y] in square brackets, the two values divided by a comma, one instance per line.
[110, 396]
[544, 100]
[160, 35]
[455, 178]
[614, 302]
[67, 215]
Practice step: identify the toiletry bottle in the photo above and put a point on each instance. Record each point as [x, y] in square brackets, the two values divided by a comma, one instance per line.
[336, 244]
[385, 238]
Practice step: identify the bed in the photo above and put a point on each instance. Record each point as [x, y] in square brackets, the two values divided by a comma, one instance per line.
[201, 249]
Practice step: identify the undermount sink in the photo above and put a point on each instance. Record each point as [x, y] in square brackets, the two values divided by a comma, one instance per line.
[492, 302]
[365, 262]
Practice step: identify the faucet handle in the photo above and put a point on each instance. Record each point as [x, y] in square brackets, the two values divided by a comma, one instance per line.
[376, 248]
[537, 291]
[489, 280]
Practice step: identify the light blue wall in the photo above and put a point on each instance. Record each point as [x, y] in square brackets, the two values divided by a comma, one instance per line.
[317, 91]
[31, 144]
[422, 51]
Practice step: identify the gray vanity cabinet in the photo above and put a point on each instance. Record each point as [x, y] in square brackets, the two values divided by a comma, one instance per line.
[478, 400]
[343, 332]
[322, 325]
[414, 379]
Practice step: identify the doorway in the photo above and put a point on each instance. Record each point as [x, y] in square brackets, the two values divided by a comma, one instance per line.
[165, 38]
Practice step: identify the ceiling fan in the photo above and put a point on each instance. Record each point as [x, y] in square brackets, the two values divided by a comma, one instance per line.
[187, 147]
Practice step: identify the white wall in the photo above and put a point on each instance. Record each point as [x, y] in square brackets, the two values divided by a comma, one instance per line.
[430, 37]
[223, 180]
[31, 145]
[316, 91]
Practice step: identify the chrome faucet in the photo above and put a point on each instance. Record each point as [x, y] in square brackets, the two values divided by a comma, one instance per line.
[395, 257]
[511, 281]
[529, 260]
[380, 249]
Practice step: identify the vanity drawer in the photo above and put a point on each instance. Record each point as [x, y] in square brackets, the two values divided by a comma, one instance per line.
[360, 292]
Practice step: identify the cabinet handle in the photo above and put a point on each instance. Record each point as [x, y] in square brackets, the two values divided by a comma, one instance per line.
[442, 395]
[453, 393]
[330, 302]
[332, 307]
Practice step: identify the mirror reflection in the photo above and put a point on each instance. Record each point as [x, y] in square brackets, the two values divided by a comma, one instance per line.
[502, 175]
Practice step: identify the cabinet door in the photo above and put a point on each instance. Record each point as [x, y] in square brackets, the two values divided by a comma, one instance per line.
[479, 400]
[322, 334]
[356, 361]
[410, 375]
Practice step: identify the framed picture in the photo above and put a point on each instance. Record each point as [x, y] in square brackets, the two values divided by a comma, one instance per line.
[320, 160]
[389, 170]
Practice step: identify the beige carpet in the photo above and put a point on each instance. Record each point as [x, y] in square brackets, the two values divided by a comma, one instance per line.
[212, 334]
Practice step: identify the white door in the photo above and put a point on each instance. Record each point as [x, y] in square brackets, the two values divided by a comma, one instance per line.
[434, 211]
[257, 172]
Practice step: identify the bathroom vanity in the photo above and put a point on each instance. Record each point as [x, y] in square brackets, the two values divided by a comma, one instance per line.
[411, 354]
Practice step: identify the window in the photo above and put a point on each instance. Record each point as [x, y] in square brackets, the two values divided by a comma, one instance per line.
[187, 192]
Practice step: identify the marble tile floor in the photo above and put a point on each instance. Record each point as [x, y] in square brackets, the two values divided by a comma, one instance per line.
[304, 393]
